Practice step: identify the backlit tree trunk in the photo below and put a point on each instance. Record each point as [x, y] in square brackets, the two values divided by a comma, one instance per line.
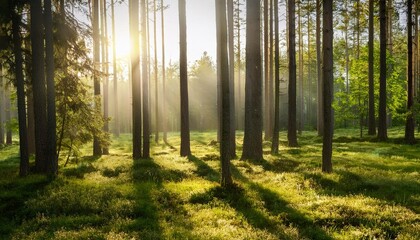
[20, 86]
[183, 68]
[371, 121]
[275, 141]
[145, 80]
[382, 126]
[327, 50]
[38, 85]
[291, 130]
[252, 147]
[222, 41]
[320, 112]
[135, 76]
[97, 151]
[409, 125]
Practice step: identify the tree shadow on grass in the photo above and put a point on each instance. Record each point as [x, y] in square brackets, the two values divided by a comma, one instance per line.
[14, 192]
[279, 165]
[394, 191]
[236, 198]
[204, 170]
[154, 203]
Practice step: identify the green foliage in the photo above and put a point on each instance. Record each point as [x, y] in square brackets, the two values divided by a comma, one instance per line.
[373, 193]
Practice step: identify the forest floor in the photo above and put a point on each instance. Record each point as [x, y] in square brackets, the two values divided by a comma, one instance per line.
[373, 193]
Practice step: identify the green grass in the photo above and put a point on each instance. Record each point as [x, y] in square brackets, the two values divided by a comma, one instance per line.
[373, 193]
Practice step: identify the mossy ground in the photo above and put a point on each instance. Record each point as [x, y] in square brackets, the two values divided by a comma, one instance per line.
[373, 193]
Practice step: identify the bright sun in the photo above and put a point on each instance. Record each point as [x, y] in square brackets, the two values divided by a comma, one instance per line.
[122, 46]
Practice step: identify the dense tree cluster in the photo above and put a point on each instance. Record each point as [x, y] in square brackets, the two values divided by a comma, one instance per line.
[337, 64]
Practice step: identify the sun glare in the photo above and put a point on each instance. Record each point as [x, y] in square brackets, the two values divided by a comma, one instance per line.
[123, 46]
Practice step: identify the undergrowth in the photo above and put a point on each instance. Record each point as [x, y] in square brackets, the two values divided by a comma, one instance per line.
[373, 193]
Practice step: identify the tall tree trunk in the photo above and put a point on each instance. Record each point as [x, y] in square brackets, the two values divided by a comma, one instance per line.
[157, 127]
[31, 120]
[165, 114]
[8, 109]
[371, 122]
[115, 74]
[20, 86]
[97, 151]
[135, 76]
[301, 107]
[275, 142]
[291, 130]
[145, 80]
[252, 147]
[382, 126]
[222, 40]
[105, 69]
[327, 50]
[2, 107]
[309, 82]
[267, 119]
[239, 64]
[320, 111]
[183, 69]
[38, 82]
[51, 155]
[409, 125]
[231, 56]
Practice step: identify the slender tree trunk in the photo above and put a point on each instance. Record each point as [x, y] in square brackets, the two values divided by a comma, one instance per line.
[252, 147]
[2, 107]
[409, 125]
[309, 82]
[266, 72]
[320, 111]
[51, 155]
[382, 126]
[291, 130]
[97, 151]
[145, 80]
[157, 127]
[327, 50]
[239, 64]
[371, 122]
[165, 114]
[38, 82]
[231, 56]
[301, 107]
[105, 70]
[135, 76]
[8, 108]
[20, 85]
[275, 142]
[31, 121]
[222, 40]
[115, 74]
[183, 68]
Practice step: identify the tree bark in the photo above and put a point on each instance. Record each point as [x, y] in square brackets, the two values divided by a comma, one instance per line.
[409, 125]
[97, 151]
[252, 147]
[291, 130]
[38, 85]
[145, 80]
[115, 74]
[231, 57]
[157, 124]
[164, 113]
[183, 68]
[20, 86]
[222, 40]
[301, 107]
[320, 111]
[276, 128]
[105, 69]
[327, 50]
[135, 77]
[371, 122]
[52, 160]
[382, 126]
